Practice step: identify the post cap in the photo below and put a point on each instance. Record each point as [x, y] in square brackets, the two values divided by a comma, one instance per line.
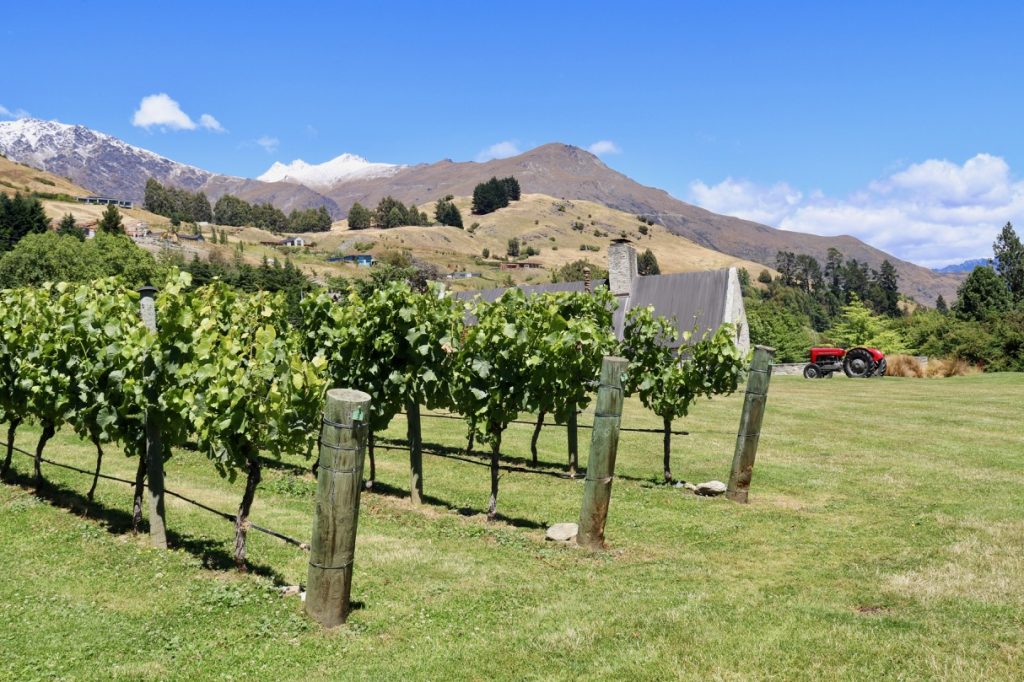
[147, 290]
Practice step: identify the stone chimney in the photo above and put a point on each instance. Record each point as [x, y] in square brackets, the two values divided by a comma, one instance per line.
[622, 269]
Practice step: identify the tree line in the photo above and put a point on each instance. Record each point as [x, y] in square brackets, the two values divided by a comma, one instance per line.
[493, 194]
[180, 206]
[848, 304]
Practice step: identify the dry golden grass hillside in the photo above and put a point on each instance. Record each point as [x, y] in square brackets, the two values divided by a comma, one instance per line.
[15, 177]
[559, 229]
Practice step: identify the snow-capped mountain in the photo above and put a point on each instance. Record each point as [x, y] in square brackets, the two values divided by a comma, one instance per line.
[112, 167]
[93, 159]
[326, 174]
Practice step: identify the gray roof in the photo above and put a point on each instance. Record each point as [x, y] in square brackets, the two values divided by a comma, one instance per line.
[696, 300]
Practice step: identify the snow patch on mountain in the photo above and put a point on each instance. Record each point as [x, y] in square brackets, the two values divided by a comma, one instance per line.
[323, 175]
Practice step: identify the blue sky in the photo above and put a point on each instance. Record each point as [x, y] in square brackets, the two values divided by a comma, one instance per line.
[823, 117]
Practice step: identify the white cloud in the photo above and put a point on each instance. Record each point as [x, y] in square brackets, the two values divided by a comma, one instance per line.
[163, 112]
[210, 123]
[15, 114]
[160, 110]
[602, 147]
[500, 150]
[933, 213]
[744, 199]
[268, 143]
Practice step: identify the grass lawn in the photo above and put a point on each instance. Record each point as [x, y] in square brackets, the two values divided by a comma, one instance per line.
[884, 539]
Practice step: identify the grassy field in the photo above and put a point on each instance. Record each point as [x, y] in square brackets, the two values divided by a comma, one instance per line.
[885, 539]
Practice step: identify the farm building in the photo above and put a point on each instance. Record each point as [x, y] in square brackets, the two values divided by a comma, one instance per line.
[519, 265]
[104, 201]
[698, 301]
[361, 259]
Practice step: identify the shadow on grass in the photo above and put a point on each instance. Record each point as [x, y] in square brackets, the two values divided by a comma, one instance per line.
[119, 522]
[481, 458]
[398, 493]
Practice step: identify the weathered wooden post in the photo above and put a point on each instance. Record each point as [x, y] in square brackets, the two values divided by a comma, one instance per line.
[604, 445]
[154, 448]
[339, 482]
[750, 424]
[415, 437]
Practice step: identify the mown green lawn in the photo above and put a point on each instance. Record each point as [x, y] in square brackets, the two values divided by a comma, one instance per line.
[884, 539]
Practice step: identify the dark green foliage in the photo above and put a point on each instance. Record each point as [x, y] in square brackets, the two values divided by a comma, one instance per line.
[177, 204]
[940, 304]
[359, 217]
[787, 331]
[391, 212]
[764, 277]
[69, 227]
[486, 252]
[309, 220]
[983, 294]
[447, 213]
[230, 210]
[267, 217]
[531, 251]
[20, 216]
[839, 282]
[1009, 260]
[513, 247]
[573, 272]
[52, 257]
[647, 264]
[744, 277]
[494, 194]
[512, 190]
[110, 222]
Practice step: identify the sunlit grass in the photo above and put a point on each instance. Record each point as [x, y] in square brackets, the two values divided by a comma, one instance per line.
[883, 540]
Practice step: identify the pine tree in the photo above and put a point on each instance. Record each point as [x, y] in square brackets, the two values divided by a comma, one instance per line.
[513, 247]
[1009, 260]
[647, 264]
[359, 217]
[940, 305]
[982, 295]
[447, 213]
[68, 226]
[888, 284]
[20, 216]
[110, 221]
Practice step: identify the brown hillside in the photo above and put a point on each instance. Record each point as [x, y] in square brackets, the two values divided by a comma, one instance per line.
[561, 170]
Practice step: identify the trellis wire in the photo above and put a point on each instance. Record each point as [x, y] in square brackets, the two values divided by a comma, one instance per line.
[230, 517]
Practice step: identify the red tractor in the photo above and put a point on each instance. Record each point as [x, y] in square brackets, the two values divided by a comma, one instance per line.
[856, 363]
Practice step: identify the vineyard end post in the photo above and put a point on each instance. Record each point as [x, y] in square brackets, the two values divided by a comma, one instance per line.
[343, 438]
[154, 448]
[604, 445]
[750, 425]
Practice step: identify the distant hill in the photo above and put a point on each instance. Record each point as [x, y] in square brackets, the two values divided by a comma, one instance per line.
[556, 228]
[966, 266]
[108, 165]
[112, 167]
[58, 194]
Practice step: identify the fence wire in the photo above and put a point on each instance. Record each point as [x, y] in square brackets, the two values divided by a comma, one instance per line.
[224, 515]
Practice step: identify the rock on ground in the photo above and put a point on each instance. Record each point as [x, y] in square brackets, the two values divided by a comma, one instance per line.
[563, 532]
[710, 488]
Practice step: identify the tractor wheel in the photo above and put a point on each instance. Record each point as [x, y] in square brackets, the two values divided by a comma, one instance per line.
[858, 363]
[880, 369]
[812, 371]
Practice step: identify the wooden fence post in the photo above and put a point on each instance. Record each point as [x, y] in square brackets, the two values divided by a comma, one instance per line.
[415, 436]
[750, 424]
[339, 482]
[604, 444]
[154, 448]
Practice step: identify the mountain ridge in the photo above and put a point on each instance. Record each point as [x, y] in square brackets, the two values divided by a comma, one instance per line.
[555, 169]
